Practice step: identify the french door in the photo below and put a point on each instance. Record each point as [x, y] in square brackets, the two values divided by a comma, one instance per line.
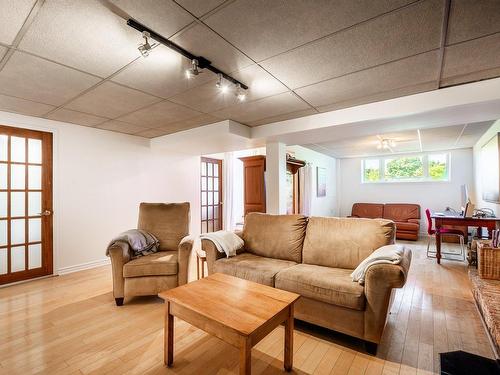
[211, 195]
[25, 204]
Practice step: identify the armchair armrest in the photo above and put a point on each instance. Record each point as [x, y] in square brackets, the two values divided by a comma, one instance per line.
[380, 279]
[184, 252]
[212, 254]
[119, 254]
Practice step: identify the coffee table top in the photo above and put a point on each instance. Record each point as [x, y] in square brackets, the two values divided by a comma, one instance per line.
[236, 303]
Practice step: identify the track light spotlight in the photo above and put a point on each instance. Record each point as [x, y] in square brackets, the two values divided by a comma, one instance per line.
[145, 48]
[194, 71]
[240, 94]
[221, 85]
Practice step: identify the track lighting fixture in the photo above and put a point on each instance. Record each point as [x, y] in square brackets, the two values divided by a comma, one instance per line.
[145, 48]
[198, 63]
[386, 144]
[240, 94]
[194, 71]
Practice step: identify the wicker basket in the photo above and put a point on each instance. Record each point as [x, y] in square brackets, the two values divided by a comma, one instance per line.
[488, 261]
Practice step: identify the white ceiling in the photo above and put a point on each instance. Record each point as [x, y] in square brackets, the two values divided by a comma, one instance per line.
[77, 61]
[410, 141]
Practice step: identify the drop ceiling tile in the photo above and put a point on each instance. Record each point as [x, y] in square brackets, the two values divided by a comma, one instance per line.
[111, 100]
[159, 114]
[207, 98]
[263, 28]
[82, 34]
[473, 60]
[75, 117]
[472, 19]
[200, 120]
[25, 107]
[199, 8]
[12, 17]
[164, 17]
[263, 108]
[121, 127]
[36, 79]
[162, 74]
[283, 117]
[411, 71]
[410, 31]
[201, 41]
[152, 133]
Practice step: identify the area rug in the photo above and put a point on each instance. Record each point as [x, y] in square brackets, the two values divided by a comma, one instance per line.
[463, 363]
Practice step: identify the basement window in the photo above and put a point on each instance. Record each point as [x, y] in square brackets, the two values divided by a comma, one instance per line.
[408, 168]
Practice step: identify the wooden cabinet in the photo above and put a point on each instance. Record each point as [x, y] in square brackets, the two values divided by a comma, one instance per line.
[254, 186]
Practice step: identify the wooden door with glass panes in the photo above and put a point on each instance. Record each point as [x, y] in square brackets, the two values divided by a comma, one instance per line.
[211, 195]
[25, 204]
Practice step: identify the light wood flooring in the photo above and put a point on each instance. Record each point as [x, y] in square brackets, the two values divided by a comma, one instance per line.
[70, 325]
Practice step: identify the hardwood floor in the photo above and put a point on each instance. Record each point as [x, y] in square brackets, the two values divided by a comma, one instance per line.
[70, 325]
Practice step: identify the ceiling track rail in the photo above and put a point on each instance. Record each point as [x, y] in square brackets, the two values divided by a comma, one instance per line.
[203, 63]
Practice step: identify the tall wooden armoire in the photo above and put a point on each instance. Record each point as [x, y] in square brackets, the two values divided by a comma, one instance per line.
[254, 186]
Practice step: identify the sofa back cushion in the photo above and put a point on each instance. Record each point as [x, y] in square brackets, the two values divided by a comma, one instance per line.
[368, 210]
[275, 236]
[401, 211]
[344, 242]
[169, 222]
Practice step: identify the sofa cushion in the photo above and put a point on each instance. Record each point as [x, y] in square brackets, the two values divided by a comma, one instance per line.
[368, 210]
[401, 211]
[344, 242]
[169, 222]
[252, 267]
[404, 226]
[275, 236]
[162, 263]
[325, 284]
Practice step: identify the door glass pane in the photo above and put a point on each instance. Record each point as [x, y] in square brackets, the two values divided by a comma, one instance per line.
[209, 169]
[203, 213]
[35, 151]
[210, 226]
[210, 186]
[203, 199]
[35, 256]
[34, 177]
[203, 169]
[210, 198]
[3, 261]
[17, 258]
[216, 184]
[17, 231]
[216, 225]
[3, 147]
[17, 149]
[216, 212]
[203, 183]
[216, 170]
[17, 176]
[3, 176]
[216, 198]
[210, 212]
[3, 204]
[34, 203]
[204, 227]
[3, 232]
[17, 203]
[35, 230]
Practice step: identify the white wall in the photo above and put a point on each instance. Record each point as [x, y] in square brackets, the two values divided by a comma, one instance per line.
[433, 195]
[100, 177]
[481, 166]
[320, 206]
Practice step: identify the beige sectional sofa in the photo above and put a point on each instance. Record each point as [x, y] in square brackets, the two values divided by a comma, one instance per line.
[314, 258]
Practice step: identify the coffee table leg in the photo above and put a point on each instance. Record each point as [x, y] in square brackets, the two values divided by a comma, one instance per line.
[245, 356]
[289, 340]
[168, 348]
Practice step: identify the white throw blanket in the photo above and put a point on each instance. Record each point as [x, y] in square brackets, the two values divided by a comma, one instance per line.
[390, 254]
[225, 241]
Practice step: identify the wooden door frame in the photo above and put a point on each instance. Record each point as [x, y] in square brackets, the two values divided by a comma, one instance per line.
[221, 185]
[47, 203]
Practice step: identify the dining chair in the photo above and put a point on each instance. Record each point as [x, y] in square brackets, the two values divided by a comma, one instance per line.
[447, 231]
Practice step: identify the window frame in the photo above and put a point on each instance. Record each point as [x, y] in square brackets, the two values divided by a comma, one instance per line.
[425, 165]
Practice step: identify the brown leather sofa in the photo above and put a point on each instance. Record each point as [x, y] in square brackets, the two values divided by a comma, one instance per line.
[166, 269]
[405, 215]
[314, 258]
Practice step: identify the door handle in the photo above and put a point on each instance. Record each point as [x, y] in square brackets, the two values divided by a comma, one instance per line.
[45, 213]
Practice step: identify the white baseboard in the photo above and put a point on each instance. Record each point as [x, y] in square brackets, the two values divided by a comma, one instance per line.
[83, 266]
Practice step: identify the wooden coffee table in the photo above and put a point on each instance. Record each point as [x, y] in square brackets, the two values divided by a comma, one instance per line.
[237, 311]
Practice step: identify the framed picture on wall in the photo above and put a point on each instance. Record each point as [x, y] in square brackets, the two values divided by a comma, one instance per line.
[320, 182]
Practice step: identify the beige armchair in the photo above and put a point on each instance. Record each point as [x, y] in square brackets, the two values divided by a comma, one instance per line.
[166, 269]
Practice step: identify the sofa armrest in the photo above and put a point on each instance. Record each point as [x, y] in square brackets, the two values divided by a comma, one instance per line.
[414, 221]
[184, 252]
[212, 254]
[380, 279]
[119, 254]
